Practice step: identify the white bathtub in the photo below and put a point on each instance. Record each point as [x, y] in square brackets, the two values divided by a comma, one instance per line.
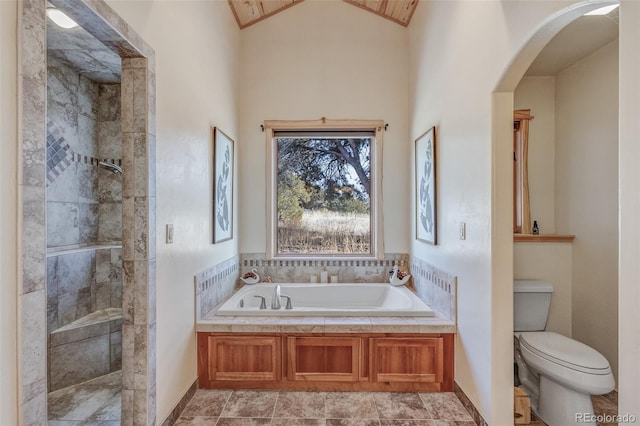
[328, 300]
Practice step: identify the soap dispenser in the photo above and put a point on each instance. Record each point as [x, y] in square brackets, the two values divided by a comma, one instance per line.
[535, 230]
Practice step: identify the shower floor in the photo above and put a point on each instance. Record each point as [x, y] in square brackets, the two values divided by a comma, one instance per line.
[95, 402]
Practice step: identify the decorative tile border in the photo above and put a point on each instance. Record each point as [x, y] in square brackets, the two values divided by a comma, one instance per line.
[301, 270]
[215, 284]
[468, 405]
[435, 287]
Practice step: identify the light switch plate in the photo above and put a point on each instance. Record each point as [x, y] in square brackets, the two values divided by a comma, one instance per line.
[169, 233]
[462, 230]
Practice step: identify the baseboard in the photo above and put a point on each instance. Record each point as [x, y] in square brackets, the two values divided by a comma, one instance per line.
[468, 405]
[175, 413]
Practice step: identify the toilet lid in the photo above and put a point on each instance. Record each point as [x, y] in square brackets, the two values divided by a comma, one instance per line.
[565, 351]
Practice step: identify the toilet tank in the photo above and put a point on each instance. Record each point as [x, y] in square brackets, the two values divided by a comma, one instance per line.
[531, 301]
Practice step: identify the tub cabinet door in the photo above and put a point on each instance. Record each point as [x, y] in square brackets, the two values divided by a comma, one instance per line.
[335, 359]
[242, 358]
[406, 359]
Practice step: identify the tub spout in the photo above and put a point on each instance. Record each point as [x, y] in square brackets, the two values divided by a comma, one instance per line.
[275, 299]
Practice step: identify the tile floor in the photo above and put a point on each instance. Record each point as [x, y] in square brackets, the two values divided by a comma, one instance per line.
[603, 405]
[96, 403]
[286, 408]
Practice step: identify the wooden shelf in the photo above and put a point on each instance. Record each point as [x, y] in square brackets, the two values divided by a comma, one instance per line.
[550, 238]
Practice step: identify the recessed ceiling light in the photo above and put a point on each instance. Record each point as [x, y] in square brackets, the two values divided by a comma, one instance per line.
[60, 18]
[603, 10]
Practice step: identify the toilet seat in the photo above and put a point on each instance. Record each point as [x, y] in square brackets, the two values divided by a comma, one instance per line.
[567, 361]
[565, 351]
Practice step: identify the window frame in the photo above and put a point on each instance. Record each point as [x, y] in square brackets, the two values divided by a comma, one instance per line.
[375, 196]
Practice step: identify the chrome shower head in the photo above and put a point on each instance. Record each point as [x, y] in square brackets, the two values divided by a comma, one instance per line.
[113, 168]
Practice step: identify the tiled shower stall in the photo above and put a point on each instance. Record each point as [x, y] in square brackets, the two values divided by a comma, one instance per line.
[84, 227]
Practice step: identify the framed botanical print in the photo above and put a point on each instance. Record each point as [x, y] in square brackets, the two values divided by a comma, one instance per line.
[222, 186]
[426, 220]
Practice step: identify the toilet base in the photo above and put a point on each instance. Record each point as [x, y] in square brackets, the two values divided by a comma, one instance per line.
[559, 405]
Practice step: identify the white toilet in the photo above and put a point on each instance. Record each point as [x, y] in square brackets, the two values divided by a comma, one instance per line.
[558, 373]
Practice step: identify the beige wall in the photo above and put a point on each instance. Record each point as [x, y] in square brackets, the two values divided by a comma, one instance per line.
[196, 45]
[629, 244]
[8, 211]
[460, 54]
[550, 262]
[538, 95]
[587, 193]
[324, 59]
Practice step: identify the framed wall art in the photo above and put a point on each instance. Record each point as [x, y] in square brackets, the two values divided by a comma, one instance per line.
[222, 186]
[426, 220]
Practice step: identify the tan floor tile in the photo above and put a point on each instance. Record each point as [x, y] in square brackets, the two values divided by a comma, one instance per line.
[206, 403]
[350, 405]
[234, 421]
[252, 404]
[305, 405]
[401, 406]
[445, 406]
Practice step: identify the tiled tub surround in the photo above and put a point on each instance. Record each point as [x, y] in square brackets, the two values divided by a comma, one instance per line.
[435, 287]
[84, 311]
[301, 271]
[215, 284]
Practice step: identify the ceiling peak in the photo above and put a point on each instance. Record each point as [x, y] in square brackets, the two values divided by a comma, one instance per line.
[248, 12]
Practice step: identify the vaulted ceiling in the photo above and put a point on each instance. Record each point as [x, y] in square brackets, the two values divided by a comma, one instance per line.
[248, 12]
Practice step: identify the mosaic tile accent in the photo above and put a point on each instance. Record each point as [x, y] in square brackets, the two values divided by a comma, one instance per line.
[60, 155]
[215, 284]
[435, 287]
[346, 271]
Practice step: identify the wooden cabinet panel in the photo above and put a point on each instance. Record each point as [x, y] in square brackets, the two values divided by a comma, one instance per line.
[244, 358]
[363, 362]
[406, 359]
[335, 359]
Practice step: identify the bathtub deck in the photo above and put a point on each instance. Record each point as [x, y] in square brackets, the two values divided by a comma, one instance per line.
[437, 324]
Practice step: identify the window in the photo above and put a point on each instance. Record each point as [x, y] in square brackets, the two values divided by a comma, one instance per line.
[323, 189]
[521, 207]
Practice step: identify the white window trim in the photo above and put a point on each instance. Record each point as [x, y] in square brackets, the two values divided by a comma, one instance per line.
[377, 235]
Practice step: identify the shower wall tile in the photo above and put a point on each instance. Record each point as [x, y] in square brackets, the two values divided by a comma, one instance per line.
[33, 242]
[141, 228]
[100, 296]
[88, 222]
[76, 271]
[33, 147]
[140, 160]
[73, 306]
[115, 344]
[109, 102]
[103, 265]
[87, 136]
[88, 186]
[62, 224]
[79, 361]
[33, 351]
[109, 187]
[109, 136]
[65, 187]
[110, 222]
[88, 98]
